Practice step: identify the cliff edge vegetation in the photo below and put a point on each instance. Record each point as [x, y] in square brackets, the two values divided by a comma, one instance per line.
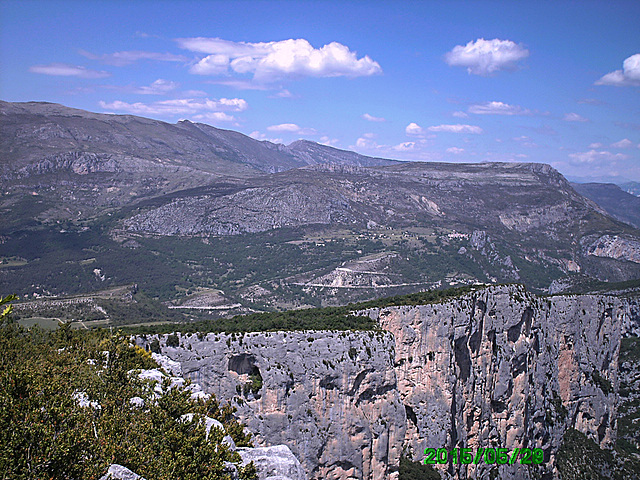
[71, 405]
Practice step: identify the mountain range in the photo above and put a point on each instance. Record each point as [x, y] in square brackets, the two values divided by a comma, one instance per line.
[208, 213]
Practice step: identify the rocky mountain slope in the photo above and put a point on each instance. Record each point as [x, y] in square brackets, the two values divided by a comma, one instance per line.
[87, 195]
[619, 204]
[38, 137]
[90, 160]
[497, 367]
[529, 207]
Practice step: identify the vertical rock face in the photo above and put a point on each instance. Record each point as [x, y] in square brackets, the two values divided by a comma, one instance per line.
[331, 397]
[497, 367]
[503, 368]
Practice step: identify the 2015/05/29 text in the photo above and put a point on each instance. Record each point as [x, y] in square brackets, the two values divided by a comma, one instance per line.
[490, 456]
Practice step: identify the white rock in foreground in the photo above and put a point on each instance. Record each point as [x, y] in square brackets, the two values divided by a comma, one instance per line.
[118, 472]
[273, 463]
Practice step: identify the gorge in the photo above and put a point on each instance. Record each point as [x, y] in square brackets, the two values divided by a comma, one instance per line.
[497, 367]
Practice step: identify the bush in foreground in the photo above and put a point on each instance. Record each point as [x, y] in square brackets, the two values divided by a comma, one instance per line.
[46, 431]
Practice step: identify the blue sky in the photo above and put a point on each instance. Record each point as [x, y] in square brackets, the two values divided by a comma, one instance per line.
[555, 82]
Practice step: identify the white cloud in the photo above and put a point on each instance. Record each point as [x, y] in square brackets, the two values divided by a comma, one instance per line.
[239, 84]
[211, 65]
[284, 93]
[159, 87]
[596, 145]
[66, 70]
[591, 101]
[485, 57]
[371, 118]
[204, 109]
[414, 129]
[460, 114]
[269, 61]
[291, 128]
[366, 143]
[594, 156]
[628, 76]
[574, 117]
[261, 136]
[407, 150]
[120, 59]
[624, 143]
[235, 104]
[456, 129]
[193, 93]
[498, 108]
[331, 142]
[214, 117]
[404, 146]
[455, 150]
[525, 141]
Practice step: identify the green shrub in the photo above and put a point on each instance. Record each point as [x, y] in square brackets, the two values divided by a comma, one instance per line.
[46, 433]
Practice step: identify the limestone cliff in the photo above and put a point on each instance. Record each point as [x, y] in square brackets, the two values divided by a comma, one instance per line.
[504, 368]
[331, 397]
[497, 367]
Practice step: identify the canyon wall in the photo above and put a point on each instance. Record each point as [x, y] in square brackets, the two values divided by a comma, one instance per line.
[503, 368]
[497, 367]
[331, 397]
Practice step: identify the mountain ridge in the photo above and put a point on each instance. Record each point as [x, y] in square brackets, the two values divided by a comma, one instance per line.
[116, 187]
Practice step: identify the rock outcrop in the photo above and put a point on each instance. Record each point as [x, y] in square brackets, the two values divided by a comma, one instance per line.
[503, 368]
[273, 463]
[331, 397]
[498, 367]
[118, 472]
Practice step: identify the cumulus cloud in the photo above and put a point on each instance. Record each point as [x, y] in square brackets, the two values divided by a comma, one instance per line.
[414, 129]
[120, 59]
[366, 143]
[596, 145]
[66, 70]
[371, 118]
[291, 128]
[455, 150]
[624, 143]
[595, 156]
[214, 117]
[486, 57]
[574, 117]
[628, 76]
[269, 61]
[498, 108]
[460, 114]
[456, 129]
[198, 109]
